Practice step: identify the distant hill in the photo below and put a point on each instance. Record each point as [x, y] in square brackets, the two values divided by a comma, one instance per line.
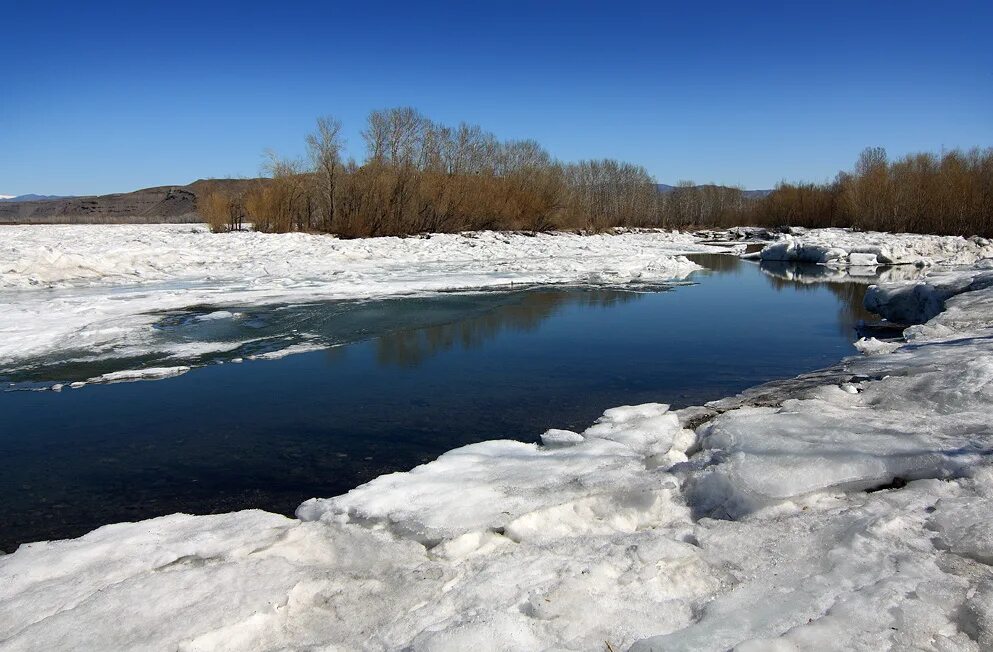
[145, 206]
[5, 198]
[751, 194]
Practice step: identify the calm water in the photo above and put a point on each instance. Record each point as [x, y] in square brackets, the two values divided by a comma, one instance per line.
[430, 375]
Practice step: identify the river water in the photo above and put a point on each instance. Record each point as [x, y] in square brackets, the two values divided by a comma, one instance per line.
[411, 379]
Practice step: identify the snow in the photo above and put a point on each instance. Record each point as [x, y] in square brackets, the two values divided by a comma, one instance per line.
[850, 513]
[525, 490]
[147, 373]
[843, 247]
[873, 346]
[66, 290]
[302, 347]
[218, 314]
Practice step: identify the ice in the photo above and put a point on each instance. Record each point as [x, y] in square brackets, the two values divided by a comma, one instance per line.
[148, 373]
[859, 573]
[847, 510]
[873, 346]
[916, 303]
[502, 485]
[218, 314]
[66, 290]
[302, 347]
[843, 247]
[921, 410]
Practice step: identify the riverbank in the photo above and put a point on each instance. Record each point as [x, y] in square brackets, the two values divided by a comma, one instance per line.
[99, 291]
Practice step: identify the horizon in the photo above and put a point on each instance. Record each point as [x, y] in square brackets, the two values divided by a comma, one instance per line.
[743, 96]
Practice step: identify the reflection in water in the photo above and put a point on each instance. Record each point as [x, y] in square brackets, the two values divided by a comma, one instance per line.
[411, 328]
[409, 348]
[848, 284]
[805, 277]
[808, 273]
[717, 262]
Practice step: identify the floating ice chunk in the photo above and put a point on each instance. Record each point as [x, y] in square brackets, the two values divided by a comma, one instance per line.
[151, 373]
[216, 315]
[293, 349]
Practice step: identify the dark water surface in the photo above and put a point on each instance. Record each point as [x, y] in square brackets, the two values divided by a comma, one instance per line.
[443, 372]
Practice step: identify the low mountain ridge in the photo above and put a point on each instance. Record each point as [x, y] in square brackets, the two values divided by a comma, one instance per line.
[31, 197]
[160, 204]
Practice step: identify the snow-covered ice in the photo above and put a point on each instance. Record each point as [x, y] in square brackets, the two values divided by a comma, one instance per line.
[148, 373]
[873, 346]
[843, 247]
[851, 513]
[95, 291]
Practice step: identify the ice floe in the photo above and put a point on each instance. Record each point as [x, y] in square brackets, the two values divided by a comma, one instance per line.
[843, 247]
[147, 373]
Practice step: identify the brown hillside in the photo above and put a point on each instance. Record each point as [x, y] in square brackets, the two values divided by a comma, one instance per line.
[146, 206]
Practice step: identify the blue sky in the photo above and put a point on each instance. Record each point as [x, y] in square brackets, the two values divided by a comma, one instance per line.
[107, 97]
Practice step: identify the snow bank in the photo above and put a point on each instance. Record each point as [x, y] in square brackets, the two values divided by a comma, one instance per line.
[523, 490]
[842, 247]
[916, 303]
[96, 290]
[854, 515]
[922, 409]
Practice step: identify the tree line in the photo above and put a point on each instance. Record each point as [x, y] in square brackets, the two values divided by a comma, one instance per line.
[949, 194]
[421, 176]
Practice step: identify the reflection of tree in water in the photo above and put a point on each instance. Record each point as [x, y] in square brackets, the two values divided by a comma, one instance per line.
[412, 347]
[850, 290]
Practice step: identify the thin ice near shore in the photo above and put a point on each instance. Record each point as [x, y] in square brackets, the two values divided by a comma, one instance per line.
[96, 292]
[849, 513]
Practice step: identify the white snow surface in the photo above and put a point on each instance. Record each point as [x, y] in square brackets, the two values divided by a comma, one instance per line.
[147, 373]
[844, 247]
[856, 514]
[98, 289]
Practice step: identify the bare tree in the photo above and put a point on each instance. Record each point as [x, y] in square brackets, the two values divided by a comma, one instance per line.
[325, 146]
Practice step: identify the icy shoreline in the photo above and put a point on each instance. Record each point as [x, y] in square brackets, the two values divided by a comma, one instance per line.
[96, 292]
[850, 509]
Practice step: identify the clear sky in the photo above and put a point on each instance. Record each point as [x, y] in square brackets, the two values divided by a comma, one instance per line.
[102, 97]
